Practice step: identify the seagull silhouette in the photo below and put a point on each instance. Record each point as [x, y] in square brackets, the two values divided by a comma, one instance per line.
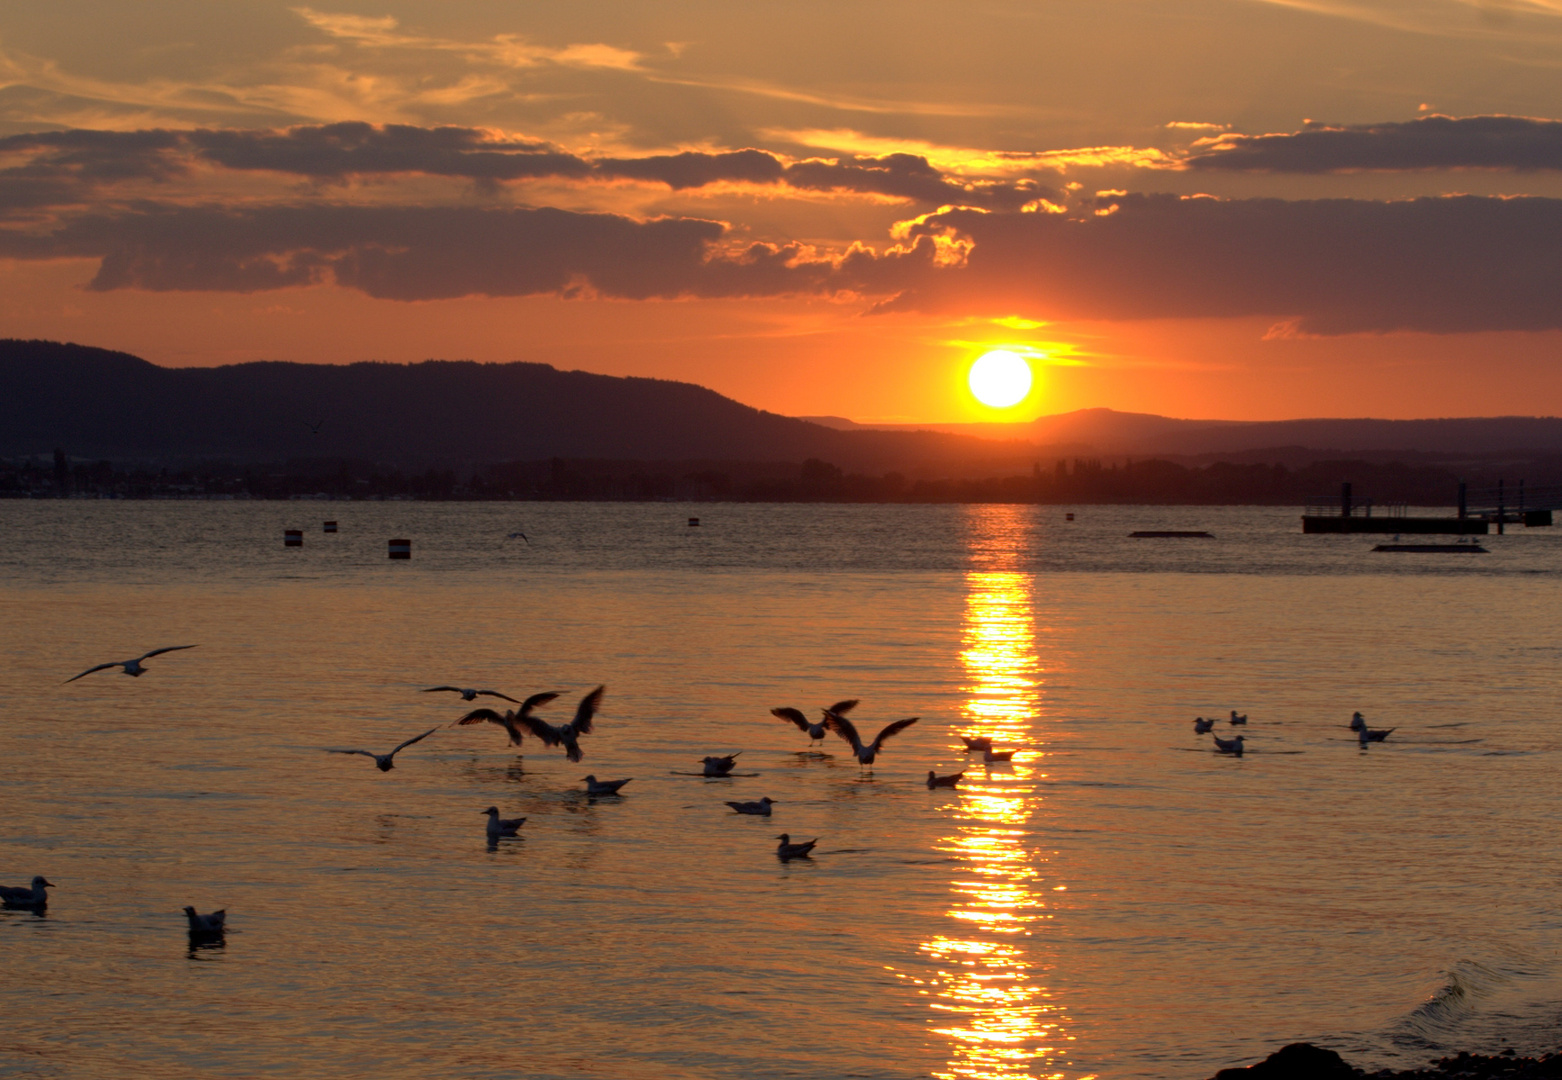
[522, 535]
[865, 752]
[719, 766]
[566, 734]
[314, 428]
[32, 896]
[1371, 735]
[989, 756]
[936, 781]
[512, 720]
[468, 694]
[1229, 746]
[1202, 726]
[814, 731]
[1236, 719]
[603, 787]
[500, 827]
[762, 807]
[384, 762]
[977, 742]
[213, 924]
[1357, 721]
[132, 667]
[786, 851]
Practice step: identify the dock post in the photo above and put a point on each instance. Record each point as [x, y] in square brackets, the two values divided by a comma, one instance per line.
[1500, 508]
[1345, 501]
[1463, 513]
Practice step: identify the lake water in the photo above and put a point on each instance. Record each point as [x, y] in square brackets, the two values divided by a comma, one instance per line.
[1120, 902]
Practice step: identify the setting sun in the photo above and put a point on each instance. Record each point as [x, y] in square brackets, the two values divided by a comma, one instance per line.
[1000, 379]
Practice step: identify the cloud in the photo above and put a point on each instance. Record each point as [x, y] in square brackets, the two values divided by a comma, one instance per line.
[1431, 142]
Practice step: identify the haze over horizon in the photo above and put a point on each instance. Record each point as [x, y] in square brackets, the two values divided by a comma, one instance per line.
[1229, 210]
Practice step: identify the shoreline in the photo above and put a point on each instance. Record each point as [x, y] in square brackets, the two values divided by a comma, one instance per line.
[1304, 1061]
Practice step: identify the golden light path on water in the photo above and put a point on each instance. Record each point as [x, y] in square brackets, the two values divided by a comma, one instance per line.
[1001, 1023]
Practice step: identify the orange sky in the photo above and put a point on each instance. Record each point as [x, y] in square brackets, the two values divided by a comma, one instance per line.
[559, 184]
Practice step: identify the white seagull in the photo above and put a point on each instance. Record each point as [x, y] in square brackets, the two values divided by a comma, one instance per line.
[212, 924]
[762, 807]
[469, 694]
[512, 719]
[603, 787]
[786, 851]
[132, 667]
[383, 762]
[32, 896]
[500, 827]
[1202, 726]
[1229, 746]
[566, 734]
[865, 753]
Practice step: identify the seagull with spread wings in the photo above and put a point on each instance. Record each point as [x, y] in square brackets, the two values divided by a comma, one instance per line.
[384, 762]
[865, 752]
[512, 721]
[567, 735]
[814, 731]
[468, 694]
[132, 667]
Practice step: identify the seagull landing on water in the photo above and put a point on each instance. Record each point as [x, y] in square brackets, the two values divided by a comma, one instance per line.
[762, 807]
[719, 766]
[32, 896]
[206, 925]
[566, 734]
[468, 694]
[512, 721]
[1237, 719]
[786, 851]
[865, 753]
[132, 667]
[817, 731]
[499, 827]
[1229, 746]
[1371, 735]
[1202, 726]
[936, 781]
[603, 787]
[977, 742]
[383, 762]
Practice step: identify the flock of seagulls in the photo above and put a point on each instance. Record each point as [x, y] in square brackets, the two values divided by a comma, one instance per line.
[1365, 735]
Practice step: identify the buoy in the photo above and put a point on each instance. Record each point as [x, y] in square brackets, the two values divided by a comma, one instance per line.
[293, 538]
[400, 549]
[693, 522]
[1068, 517]
[330, 526]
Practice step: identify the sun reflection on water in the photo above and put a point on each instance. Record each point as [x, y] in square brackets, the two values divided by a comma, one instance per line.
[1001, 1023]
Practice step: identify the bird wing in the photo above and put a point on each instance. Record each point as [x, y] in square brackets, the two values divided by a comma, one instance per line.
[535, 700]
[586, 710]
[794, 715]
[844, 728]
[894, 729]
[415, 738]
[90, 670]
[365, 753]
[495, 693]
[436, 689]
[841, 708]
[169, 648]
[540, 728]
[477, 716]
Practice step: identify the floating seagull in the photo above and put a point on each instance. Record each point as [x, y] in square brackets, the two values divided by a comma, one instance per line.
[1357, 722]
[512, 719]
[383, 761]
[865, 754]
[990, 755]
[206, 925]
[500, 827]
[567, 734]
[815, 731]
[1235, 719]
[32, 896]
[1371, 735]
[132, 667]
[762, 807]
[603, 787]
[522, 535]
[977, 742]
[720, 766]
[315, 427]
[786, 851]
[934, 780]
[1229, 746]
[470, 695]
[1202, 726]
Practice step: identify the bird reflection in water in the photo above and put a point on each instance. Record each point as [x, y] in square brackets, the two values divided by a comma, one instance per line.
[1000, 1022]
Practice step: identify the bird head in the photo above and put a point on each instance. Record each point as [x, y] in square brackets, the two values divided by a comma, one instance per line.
[492, 811]
[190, 911]
[40, 882]
[785, 838]
[767, 800]
[589, 779]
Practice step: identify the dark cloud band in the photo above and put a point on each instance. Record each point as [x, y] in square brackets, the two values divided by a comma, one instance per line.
[1434, 142]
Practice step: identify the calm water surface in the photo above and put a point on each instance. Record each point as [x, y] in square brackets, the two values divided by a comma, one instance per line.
[1118, 903]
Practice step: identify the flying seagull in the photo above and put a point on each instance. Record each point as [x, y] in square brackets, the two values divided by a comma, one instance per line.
[815, 731]
[32, 896]
[1202, 726]
[786, 851]
[500, 827]
[603, 787]
[762, 807]
[468, 694]
[512, 720]
[865, 753]
[1229, 746]
[384, 762]
[566, 734]
[207, 925]
[314, 428]
[720, 766]
[132, 667]
[522, 535]
[936, 781]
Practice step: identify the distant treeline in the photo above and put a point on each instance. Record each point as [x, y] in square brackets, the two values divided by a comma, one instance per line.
[1061, 482]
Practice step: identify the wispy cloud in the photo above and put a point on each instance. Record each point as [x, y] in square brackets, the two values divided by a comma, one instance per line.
[972, 160]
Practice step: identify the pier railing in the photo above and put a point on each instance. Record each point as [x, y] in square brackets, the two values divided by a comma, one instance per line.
[1331, 506]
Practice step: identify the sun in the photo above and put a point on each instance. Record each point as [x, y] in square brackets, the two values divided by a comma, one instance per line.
[1000, 378]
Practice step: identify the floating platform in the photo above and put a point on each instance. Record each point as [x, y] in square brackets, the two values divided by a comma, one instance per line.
[1337, 524]
[1424, 548]
[1171, 534]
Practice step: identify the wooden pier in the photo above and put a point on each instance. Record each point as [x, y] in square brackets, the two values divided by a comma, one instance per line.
[1350, 515]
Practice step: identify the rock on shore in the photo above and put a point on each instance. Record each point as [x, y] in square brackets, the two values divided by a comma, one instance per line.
[1304, 1061]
